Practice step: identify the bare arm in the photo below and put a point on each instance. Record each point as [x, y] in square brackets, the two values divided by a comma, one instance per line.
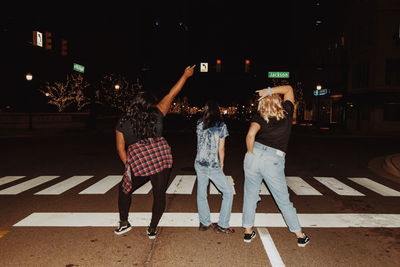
[221, 152]
[251, 136]
[165, 103]
[120, 144]
[285, 90]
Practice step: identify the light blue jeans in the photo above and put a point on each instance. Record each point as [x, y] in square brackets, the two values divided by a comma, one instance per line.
[268, 164]
[204, 174]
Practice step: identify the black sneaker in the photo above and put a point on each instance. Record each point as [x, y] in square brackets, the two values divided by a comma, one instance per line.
[220, 229]
[248, 237]
[151, 233]
[303, 241]
[123, 228]
[203, 227]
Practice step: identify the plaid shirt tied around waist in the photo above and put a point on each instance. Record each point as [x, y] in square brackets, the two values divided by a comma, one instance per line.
[144, 158]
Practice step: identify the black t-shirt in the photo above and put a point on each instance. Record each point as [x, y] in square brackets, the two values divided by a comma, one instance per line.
[126, 128]
[275, 133]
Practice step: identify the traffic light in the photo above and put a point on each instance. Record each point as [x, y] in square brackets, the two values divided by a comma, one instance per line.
[64, 47]
[218, 65]
[48, 41]
[247, 65]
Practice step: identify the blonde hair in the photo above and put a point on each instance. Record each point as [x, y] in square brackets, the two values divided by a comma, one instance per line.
[271, 107]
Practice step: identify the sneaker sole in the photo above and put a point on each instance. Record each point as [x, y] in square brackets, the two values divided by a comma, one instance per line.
[124, 231]
[303, 245]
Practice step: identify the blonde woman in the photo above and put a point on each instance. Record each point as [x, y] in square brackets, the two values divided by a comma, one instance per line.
[266, 143]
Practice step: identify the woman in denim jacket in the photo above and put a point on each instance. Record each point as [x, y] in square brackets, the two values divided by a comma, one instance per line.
[209, 163]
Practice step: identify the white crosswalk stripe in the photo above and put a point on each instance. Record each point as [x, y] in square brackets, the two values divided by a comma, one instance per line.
[144, 189]
[9, 179]
[63, 186]
[185, 184]
[264, 190]
[338, 187]
[182, 184]
[103, 186]
[19, 188]
[301, 187]
[191, 219]
[376, 187]
[214, 191]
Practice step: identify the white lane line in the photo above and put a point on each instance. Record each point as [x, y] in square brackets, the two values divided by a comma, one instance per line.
[301, 187]
[269, 246]
[264, 190]
[182, 184]
[214, 191]
[16, 189]
[338, 187]
[102, 186]
[9, 179]
[144, 189]
[376, 187]
[183, 219]
[63, 186]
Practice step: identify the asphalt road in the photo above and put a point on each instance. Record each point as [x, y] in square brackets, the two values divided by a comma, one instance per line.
[46, 220]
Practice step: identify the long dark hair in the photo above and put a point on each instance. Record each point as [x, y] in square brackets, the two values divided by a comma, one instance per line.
[141, 113]
[211, 114]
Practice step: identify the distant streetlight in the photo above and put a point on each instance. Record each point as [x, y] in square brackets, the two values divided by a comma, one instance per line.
[319, 87]
[29, 78]
[116, 87]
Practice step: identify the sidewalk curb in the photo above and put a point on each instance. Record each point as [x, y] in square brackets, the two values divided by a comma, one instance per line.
[377, 166]
[392, 164]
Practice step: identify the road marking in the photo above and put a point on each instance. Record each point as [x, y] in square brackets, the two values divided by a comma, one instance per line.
[269, 246]
[3, 233]
[214, 191]
[144, 189]
[376, 187]
[338, 187]
[102, 186]
[182, 184]
[16, 189]
[264, 190]
[190, 219]
[301, 187]
[63, 186]
[9, 179]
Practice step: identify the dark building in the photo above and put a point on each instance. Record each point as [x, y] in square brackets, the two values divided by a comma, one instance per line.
[373, 31]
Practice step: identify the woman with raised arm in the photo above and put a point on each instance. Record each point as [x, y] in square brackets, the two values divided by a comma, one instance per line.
[266, 141]
[145, 152]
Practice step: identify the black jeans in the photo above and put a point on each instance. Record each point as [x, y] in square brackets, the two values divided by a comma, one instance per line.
[159, 181]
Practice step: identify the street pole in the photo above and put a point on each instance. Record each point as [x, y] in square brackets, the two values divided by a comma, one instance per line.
[319, 87]
[29, 78]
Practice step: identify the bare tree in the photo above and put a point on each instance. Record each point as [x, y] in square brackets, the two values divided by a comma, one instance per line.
[79, 87]
[59, 94]
[117, 91]
[64, 93]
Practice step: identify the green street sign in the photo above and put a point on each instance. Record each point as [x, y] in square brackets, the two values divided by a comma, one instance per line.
[79, 68]
[278, 74]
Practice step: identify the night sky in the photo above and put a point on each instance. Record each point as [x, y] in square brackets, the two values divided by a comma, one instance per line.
[118, 37]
